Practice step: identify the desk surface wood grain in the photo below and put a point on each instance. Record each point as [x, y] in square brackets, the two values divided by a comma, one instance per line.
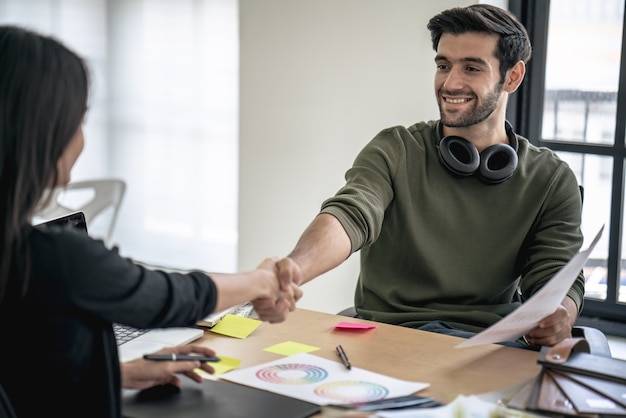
[395, 351]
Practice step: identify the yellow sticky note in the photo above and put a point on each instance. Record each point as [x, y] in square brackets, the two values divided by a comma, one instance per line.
[289, 348]
[225, 364]
[236, 326]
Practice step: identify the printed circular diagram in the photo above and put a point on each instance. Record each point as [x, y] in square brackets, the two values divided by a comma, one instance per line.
[292, 374]
[352, 391]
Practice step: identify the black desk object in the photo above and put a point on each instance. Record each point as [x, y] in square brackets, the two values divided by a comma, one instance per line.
[213, 399]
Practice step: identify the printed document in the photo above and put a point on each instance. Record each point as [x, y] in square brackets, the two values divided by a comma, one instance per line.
[541, 304]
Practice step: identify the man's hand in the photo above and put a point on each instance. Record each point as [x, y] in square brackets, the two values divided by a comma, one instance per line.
[556, 327]
[274, 310]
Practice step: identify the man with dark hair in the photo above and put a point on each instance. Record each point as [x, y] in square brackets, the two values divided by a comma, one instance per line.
[456, 219]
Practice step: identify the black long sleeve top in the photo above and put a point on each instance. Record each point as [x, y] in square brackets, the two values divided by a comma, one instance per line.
[58, 352]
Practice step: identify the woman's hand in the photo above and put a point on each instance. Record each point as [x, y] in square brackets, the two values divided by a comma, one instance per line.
[276, 308]
[143, 374]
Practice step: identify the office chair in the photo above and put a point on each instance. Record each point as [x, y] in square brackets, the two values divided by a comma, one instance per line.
[598, 343]
[99, 199]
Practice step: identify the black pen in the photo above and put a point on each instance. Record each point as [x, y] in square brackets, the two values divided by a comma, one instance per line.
[344, 358]
[179, 357]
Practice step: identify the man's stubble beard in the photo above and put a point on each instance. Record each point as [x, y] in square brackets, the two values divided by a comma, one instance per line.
[475, 115]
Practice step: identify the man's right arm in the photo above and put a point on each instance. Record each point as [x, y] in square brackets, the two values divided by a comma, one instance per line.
[323, 246]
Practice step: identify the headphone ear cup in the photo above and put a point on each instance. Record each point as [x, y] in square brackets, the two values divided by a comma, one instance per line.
[458, 155]
[497, 163]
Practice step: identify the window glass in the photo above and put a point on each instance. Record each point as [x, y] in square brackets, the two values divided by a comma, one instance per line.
[163, 116]
[594, 173]
[582, 70]
[583, 60]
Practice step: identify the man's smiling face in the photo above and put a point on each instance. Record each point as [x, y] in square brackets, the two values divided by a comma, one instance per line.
[467, 82]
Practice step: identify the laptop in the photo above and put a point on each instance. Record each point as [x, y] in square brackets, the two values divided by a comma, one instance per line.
[133, 343]
[245, 310]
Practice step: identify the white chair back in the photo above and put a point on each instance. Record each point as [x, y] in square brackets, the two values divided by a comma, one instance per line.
[99, 199]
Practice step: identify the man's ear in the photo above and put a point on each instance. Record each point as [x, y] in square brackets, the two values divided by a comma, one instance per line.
[514, 77]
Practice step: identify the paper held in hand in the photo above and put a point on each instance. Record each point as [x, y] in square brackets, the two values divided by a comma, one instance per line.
[541, 304]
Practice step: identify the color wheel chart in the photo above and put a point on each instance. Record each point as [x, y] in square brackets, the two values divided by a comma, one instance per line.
[292, 374]
[321, 381]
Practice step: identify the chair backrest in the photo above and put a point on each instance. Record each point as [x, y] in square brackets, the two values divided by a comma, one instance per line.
[99, 199]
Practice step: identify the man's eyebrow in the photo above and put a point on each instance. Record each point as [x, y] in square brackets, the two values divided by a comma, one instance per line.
[475, 60]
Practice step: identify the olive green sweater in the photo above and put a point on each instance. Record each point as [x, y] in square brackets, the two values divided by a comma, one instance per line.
[435, 246]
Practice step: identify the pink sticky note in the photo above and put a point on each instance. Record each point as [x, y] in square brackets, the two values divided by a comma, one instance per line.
[354, 326]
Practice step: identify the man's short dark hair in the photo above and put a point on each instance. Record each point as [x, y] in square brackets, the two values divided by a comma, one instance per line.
[513, 45]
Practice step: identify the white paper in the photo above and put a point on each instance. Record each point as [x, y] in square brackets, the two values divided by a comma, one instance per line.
[541, 304]
[321, 381]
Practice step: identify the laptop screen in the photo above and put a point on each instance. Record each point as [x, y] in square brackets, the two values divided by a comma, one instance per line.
[76, 220]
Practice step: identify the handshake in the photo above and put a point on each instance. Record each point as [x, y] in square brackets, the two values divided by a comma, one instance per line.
[281, 279]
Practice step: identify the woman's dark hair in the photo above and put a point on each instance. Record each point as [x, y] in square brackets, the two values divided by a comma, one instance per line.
[43, 99]
[513, 45]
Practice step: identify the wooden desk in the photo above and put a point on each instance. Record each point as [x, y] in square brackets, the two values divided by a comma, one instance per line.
[395, 351]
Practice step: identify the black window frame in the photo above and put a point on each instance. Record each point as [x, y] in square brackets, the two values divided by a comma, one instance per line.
[525, 112]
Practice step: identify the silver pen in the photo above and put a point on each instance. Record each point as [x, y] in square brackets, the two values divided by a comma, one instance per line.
[179, 357]
[344, 357]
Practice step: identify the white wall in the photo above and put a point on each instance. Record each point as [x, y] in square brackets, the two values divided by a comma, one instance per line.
[320, 78]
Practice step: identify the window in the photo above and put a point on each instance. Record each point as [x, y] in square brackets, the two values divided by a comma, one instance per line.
[574, 102]
[163, 116]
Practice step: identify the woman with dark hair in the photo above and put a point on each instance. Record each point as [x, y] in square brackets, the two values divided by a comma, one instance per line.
[67, 283]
